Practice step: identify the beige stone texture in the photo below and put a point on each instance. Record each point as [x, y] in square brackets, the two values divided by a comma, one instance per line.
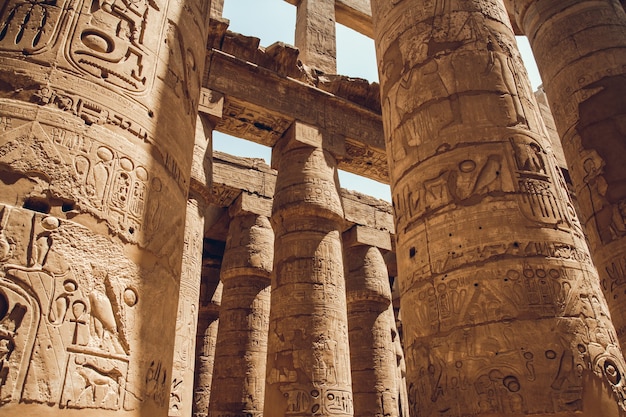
[238, 384]
[136, 263]
[308, 366]
[315, 34]
[580, 47]
[501, 306]
[181, 393]
[206, 336]
[370, 327]
[98, 102]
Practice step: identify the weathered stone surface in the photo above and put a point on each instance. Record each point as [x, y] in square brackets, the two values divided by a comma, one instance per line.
[308, 368]
[501, 307]
[581, 54]
[238, 384]
[372, 351]
[94, 180]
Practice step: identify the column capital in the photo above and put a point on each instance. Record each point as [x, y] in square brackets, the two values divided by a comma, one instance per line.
[301, 134]
[248, 203]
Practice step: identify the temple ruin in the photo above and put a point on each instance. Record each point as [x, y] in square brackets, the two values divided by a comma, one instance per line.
[142, 273]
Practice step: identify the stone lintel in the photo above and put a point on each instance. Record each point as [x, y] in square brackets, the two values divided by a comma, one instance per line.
[260, 105]
[243, 174]
[248, 203]
[363, 235]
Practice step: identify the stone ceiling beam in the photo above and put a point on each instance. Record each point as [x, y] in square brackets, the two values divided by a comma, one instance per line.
[260, 105]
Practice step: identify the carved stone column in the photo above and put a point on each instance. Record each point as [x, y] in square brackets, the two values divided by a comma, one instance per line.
[97, 111]
[182, 390]
[308, 367]
[206, 338]
[372, 350]
[501, 306]
[238, 386]
[580, 49]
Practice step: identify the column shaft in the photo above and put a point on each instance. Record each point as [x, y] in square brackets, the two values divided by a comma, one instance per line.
[580, 49]
[238, 386]
[206, 338]
[501, 307]
[372, 350]
[308, 368]
[98, 105]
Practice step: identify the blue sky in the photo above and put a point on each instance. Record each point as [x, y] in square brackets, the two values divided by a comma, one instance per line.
[274, 20]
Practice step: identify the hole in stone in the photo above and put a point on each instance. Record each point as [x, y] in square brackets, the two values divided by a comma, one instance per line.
[412, 252]
[516, 244]
[65, 207]
[4, 306]
[36, 204]
[476, 284]
[131, 230]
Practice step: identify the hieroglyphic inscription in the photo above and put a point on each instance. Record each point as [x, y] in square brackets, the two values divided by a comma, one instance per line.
[30, 26]
[116, 41]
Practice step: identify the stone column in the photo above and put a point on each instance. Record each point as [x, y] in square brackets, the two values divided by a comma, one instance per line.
[238, 386]
[501, 306]
[372, 350]
[206, 337]
[580, 49]
[181, 393]
[308, 366]
[98, 105]
[315, 34]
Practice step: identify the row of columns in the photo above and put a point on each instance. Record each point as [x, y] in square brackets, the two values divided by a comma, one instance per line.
[239, 351]
[491, 255]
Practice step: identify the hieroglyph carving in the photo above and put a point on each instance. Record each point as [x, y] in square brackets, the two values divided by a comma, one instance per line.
[108, 183]
[117, 41]
[30, 26]
[65, 314]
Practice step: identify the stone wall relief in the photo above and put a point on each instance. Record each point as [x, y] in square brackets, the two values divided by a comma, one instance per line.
[462, 182]
[73, 318]
[551, 374]
[103, 181]
[543, 192]
[609, 218]
[116, 41]
[31, 26]
[528, 290]
[326, 366]
[182, 75]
